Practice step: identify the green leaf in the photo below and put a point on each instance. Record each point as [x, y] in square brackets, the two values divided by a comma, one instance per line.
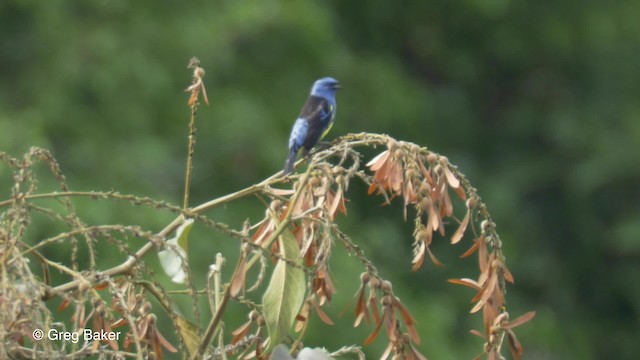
[183, 234]
[285, 294]
[171, 257]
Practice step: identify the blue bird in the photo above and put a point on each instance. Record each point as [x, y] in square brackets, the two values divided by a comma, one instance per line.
[315, 120]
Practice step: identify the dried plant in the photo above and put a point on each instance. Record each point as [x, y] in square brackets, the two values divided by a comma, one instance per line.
[291, 248]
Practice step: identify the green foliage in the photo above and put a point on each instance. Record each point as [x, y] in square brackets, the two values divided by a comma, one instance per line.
[284, 296]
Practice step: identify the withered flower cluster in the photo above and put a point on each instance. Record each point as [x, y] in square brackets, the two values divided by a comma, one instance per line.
[311, 208]
[144, 328]
[423, 179]
[401, 344]
[242, 339]
[490, 297]
[128, 307]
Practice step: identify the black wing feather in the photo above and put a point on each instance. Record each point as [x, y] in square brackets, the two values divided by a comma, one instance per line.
[317, 111]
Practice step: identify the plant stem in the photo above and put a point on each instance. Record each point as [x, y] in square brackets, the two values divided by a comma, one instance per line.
[220, 308]
[190, 151]
[126, 266]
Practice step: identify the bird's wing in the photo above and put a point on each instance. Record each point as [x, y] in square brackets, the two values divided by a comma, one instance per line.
[298, 134]
[317, 108]
[319, 113]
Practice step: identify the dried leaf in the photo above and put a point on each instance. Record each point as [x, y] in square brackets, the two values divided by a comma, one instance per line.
[118, 323]
[514, 345]
[321, 314]
[486, 294]
[389, 319]
[362, 315]
[361, 307]
[63, 305]
[418, 257]
[374, 334]
[446, 209]
[457, 236]
[489, 313]
[483, 255]
[387, 351]
[472, 249]
[451, 179]
[417, 354]
[520, 320]
[204, 94]
[408, 320]
[323, 285]
[239, 281]
[338, 200]
[395, 178]
[193, 98]
[113, 344]
[143, 327]
[302, 317]
[434, 217]
[239, 333]
[433, 258]
[507, 274]
[492, 355]
[101, 286]
[373, 304]
[378, 161]
[157, 346]
[466, 282]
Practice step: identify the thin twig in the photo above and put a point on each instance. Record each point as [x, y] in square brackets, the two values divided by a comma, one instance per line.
[190, 151]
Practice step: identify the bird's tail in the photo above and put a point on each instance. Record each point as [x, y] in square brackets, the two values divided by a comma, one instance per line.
[288, 166]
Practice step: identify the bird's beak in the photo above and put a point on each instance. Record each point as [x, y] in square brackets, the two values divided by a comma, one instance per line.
[337, 86]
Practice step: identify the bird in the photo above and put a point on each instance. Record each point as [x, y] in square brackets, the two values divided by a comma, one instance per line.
[315, 120]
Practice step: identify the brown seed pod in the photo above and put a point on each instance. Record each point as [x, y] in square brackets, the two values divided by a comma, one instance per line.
[314, 181]
[485, 225]
[425, 203]
[432, 158]
[471, 203]
[423, 234]
[411, 174]
[386, 300]
[275, 205]
[365, 277]
[199, 72]
[374, 283]
[386, 286]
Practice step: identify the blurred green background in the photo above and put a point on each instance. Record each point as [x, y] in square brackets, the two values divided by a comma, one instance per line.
[538, 103]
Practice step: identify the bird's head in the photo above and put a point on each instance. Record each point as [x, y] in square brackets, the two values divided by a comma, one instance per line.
[325, 87]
